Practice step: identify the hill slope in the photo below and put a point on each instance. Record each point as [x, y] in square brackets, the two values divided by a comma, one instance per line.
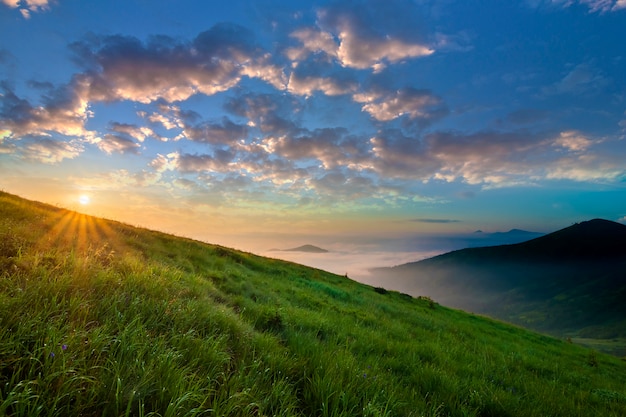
[570, 283]
[100, 318]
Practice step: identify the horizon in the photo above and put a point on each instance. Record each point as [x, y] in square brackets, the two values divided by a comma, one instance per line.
[372, 129]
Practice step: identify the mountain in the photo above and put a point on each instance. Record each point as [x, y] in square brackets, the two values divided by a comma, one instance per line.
[101, 318]
[480, 238]
[303, 248]
[568, 283]
[515, 234]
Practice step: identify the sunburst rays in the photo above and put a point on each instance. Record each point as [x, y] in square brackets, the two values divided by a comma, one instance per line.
[78, 231]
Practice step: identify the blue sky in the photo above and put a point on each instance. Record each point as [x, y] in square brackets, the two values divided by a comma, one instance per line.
[260, 124]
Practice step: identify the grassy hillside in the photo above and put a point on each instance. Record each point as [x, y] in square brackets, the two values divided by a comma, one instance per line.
[570, 283]
[100, 318]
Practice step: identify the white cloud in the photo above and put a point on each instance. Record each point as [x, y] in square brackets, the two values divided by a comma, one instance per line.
[6, 147]
[111, 143]
[220, 162]
[65, 112]
[331, 147]
[488, 158]
[602, 5]
[586, 168]
[415, 104]
[139, 133]
[167, 122]
[164, 163]
[124, 68]
[346, 35]
[51, 151]
[307, 85]
[371, 53]
[573, 141]
[313, 41]
[594, 6]
[27, 6]
[265, 71]
[11, 3]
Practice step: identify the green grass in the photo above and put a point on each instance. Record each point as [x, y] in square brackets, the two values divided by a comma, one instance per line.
[100, 318]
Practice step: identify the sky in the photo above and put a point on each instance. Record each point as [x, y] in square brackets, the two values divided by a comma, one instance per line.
[369, 128]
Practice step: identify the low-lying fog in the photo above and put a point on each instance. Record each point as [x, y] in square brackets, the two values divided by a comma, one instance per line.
[355, 257]
[355, 264]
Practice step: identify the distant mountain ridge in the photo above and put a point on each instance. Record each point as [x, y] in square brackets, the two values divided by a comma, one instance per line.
[569, 282]
[480, 238]
[303, 248]
[593, 239]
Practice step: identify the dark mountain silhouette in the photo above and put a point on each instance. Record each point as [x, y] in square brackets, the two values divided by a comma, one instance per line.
[480, 238]
[516, 233]
[570, 282]
[304, 248]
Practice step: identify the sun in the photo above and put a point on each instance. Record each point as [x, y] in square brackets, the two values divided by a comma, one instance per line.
[84, 199]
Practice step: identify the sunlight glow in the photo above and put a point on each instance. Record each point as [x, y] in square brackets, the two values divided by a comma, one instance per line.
[84, 199]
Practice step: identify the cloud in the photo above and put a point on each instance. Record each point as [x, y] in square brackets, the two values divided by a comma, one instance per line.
[321, 164]
[172, 117]
[312, 41]
[594, 6]
[619, 4]
[398, 156]
[573, 141]
[491, 158]
[500, 159]
[588, 168]
[162, 119]
[190, 125]
[64, 111]
[332, 147]
[50, 151]
[420, 105]
[271, 113]
[6, 146]
[306, 85]
[225, 133]
[488, 157]
[125, 68]
[112, 143]
[139, 133]
[345, 34]
[220, 162]
[350, 187]
[460, 42]
[360, 46]
[317, 74]
[277, 171]
[603, 5]
[252, 106]
[27, 6]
